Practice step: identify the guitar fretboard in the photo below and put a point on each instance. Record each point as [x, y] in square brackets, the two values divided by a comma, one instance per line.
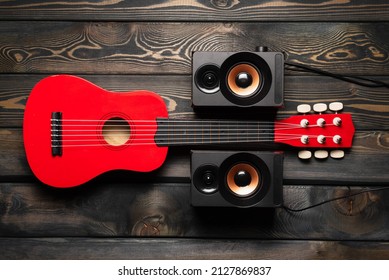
[175, 132]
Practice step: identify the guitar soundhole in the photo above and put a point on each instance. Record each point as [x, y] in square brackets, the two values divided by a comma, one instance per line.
[116, 131]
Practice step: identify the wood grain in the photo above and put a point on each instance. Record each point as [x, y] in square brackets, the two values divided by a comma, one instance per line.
[141, 44]
[198, 249]
[146, 209]
[166, 48]
[369, 107]
[213, 10]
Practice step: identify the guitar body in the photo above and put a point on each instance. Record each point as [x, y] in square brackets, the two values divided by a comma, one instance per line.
[87, 129]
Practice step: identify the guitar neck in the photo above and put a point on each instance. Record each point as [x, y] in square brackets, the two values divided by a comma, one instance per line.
[176, 132]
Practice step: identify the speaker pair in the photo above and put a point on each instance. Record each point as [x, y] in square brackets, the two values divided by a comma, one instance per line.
[237, 79]
[236, 179]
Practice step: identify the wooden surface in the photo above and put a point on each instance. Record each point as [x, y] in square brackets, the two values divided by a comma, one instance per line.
[129, 45]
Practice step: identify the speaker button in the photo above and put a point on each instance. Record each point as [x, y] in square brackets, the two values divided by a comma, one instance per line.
[261, 49]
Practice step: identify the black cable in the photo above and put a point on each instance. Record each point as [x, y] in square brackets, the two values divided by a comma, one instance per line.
[362, 81]
[334, 199]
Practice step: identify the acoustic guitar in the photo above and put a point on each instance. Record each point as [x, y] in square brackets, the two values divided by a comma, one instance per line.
[74, 131]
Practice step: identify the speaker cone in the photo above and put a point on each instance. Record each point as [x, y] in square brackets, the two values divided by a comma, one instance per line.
[244, 80]
[243, 179]
[205, 178]
[207, 78]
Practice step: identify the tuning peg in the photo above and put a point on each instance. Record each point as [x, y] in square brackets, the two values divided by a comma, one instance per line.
[320, 107]
[336, 106]
[304, 108]
[321, 154]
[305, 154]
[337, 154]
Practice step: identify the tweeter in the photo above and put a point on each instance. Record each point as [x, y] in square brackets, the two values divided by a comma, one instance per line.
[236, 179]
[237, 79]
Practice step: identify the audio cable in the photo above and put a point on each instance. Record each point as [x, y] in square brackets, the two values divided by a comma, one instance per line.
[361, 81]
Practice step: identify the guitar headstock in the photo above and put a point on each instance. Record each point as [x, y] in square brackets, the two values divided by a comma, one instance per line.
[321, 131]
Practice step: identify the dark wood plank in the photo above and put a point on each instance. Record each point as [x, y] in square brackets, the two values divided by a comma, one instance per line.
[217, 10]
[198, 249]
[165, 48]
[365, 163]
[127, 209]
[369, 107]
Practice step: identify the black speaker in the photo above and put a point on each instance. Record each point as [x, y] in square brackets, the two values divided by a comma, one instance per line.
[236, 179]
[237, 79]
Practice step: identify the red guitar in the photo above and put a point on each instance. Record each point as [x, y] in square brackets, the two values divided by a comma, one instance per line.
[75, 130]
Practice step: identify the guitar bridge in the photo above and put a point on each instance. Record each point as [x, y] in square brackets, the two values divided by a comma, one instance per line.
[56, 134]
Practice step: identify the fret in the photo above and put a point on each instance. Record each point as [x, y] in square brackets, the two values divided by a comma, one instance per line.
[173, 132]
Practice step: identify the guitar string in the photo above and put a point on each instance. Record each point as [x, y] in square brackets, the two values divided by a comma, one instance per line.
[168, 136]
[143, 128]
[180, 139]
[154, 143]
[164, 120]
[197, 129]
[175, 125]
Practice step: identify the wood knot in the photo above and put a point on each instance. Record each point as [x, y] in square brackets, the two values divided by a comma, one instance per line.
[353, 205]
[3, 207]
[156, 213]
[356, 213]
[149, 226]
[19, 55]
[171, 104]
[224, 4]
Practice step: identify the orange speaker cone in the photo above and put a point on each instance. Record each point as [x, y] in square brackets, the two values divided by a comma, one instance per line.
[249, 71]
[251, 186]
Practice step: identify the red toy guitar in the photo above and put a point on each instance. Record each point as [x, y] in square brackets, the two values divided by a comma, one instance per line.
[75, 130]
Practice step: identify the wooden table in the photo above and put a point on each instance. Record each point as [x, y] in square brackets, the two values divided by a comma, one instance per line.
[128, 45]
